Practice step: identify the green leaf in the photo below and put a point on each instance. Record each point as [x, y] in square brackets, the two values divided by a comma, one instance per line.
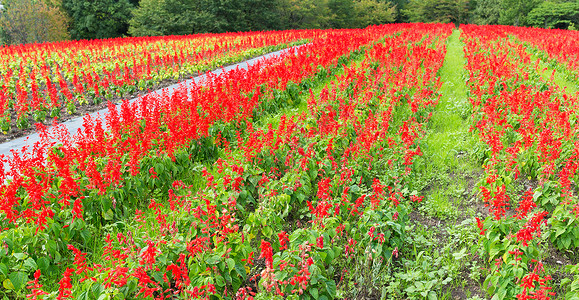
[83, 296]
[43, 264]
[566, 242]
[97, 290]
[432, 295]
[494, 250]
[281, 275]
[8, 284]
[301, 197]
[230, 263]
[104, 297]
[19, 256]
[30, 264]
[460, 255]
[267, 231]
[576, 232]
[331, 254]
[220, 281]
[331, 288]
[236, 282]
[213, 260]
[560, 230]
[240, 270]
[18, 279]
[495, 280]
[3, 269]
[501, 293]
[108, 215]
[314, 293]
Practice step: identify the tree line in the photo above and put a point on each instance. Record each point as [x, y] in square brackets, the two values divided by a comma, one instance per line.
[33, 21]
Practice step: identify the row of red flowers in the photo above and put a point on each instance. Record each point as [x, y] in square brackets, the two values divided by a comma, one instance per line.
[40, 81]
[529, 128]
[558, 45]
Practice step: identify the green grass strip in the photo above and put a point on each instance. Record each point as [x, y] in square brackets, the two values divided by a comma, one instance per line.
[449, 138]
[447, 176]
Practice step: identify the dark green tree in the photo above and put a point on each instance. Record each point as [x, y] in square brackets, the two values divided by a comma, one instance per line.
[97, 19]
[225, 16]
[374, 12]
[487, 12]
[554, 15]
[164, 17]
[243, 15]
[299, 14]
[343, 14]
[262, 14]
[442, 11]
[398, 5]
[514, 12]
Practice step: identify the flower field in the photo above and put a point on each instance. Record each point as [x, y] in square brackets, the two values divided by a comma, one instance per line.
[559, 46]
[319, 173]
[42, 82]
[529, 125]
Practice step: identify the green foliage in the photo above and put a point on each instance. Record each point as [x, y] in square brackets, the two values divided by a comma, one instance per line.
[564, 233]
[514, 12]
[571, 286]
[374, 12]
[554, 15]
[162, 17]
[342, 13]
[165, 17]
[238, 15]
[98, 19]
[444, 11]
[32, 21]
[111, 18]
[397, 5]
[560, 14]
[360, 13]
[487, 12]
[303, 14]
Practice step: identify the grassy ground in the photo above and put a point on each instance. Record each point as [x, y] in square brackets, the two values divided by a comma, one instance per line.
[443, 258]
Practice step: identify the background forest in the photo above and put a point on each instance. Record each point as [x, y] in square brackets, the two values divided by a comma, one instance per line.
[33, 21]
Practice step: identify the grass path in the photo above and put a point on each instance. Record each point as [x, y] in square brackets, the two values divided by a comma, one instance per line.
[449, 139]
[443, 231]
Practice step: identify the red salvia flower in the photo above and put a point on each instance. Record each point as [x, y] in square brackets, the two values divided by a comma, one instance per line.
[266, 253]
